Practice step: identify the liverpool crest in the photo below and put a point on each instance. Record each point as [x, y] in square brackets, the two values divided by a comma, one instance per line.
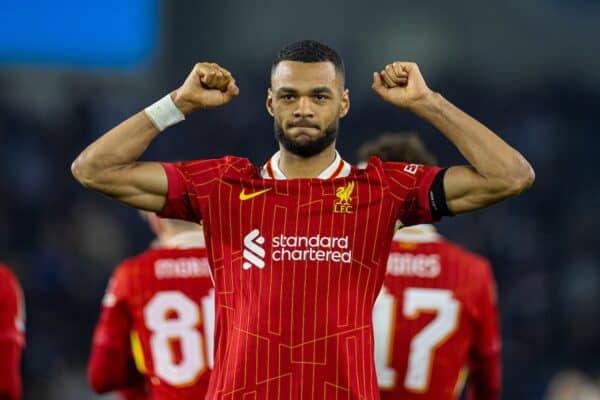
[344, 194]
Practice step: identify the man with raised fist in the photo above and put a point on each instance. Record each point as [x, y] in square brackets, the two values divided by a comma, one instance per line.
[298, 247]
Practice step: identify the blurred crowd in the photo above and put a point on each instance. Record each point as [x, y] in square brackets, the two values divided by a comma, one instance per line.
[63, 241]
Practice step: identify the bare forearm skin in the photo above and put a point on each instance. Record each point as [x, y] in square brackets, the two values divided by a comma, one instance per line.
[109, 165]
[497, 170]
[120, 146]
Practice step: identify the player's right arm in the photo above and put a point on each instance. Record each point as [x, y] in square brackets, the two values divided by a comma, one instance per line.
[110, 164]
[11, 336]
[111, 365]
[485, 362]
[134, 393]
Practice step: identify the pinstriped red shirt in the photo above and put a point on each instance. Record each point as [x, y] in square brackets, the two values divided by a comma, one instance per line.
[297, 266]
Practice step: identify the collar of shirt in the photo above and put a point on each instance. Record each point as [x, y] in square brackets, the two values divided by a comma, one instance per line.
[185, 240]
[424, 233]
[337, 169]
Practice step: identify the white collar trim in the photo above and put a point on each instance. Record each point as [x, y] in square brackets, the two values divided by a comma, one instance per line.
[185, 240]
[423, 233]
[337, 169]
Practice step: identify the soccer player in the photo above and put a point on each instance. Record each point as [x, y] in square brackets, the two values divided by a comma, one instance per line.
[12, 338]
[436, 316]
[298, 246]
[158, 316]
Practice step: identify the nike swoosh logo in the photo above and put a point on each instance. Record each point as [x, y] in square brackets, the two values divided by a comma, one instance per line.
[248, 196]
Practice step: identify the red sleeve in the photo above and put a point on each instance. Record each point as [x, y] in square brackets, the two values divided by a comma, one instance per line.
[134, 393]
[111, 365]
[114, 324]
[485, 380]
[488, 341]
[486, 363]
[10, 365]
[111, 369]
[409, 184]
[189, 185]
[12, 308]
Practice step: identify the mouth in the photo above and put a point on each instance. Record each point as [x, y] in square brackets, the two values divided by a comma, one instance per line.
[303, 132]
[304, 125]
[303, 128]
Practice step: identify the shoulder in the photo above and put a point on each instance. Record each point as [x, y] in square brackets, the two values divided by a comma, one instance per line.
[121, 280]
[213, 166]
[393, 167]
[475, 266]
[133, 266]
[5, 272]
[140, 261]
[401, 174]
[9, 280]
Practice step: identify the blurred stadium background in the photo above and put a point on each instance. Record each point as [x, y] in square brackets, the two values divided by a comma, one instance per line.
[529, 68]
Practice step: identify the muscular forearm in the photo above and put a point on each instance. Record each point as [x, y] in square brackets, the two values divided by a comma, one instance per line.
[496, 170]
[491, 157]
[110, 166]
[117, 148]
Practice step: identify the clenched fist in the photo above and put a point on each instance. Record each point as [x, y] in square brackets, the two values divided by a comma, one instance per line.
[207, 86]
[401, 84]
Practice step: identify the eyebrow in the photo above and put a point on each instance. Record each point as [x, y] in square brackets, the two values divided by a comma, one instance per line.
[317, 90]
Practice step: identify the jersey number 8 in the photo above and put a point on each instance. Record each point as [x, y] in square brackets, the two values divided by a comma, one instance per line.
[182, 328]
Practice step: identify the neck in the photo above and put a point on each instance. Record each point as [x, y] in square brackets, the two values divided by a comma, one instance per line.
[294, 166]
[175, 237]
[417, 234]
[419, 229]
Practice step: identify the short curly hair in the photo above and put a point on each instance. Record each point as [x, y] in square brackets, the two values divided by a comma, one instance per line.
[405, 147]
[310, 51]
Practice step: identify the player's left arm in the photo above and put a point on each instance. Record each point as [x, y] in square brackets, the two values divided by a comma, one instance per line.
[111, 366]
[485, 362]
[484, 382]
[139, 392]
[112, 369]
[10, 364]
[496, 171]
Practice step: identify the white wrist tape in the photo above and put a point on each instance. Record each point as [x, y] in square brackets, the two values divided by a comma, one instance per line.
[164, 113]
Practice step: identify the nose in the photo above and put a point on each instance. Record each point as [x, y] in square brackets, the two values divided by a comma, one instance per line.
[303, 110]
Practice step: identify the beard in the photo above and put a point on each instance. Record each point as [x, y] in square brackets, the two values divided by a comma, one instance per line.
[311, 147]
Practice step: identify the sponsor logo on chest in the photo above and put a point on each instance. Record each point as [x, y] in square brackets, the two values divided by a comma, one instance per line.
[283, 248]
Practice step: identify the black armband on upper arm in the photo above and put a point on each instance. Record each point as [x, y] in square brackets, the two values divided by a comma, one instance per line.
[437, 197]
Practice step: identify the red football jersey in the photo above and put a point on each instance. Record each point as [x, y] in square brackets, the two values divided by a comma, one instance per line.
[12, 308]
[435, 316]
[160, 307]
[12, 337]
[297, 266]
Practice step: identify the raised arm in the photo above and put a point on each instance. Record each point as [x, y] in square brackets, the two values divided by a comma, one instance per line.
[496, 171]
[109, 165]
